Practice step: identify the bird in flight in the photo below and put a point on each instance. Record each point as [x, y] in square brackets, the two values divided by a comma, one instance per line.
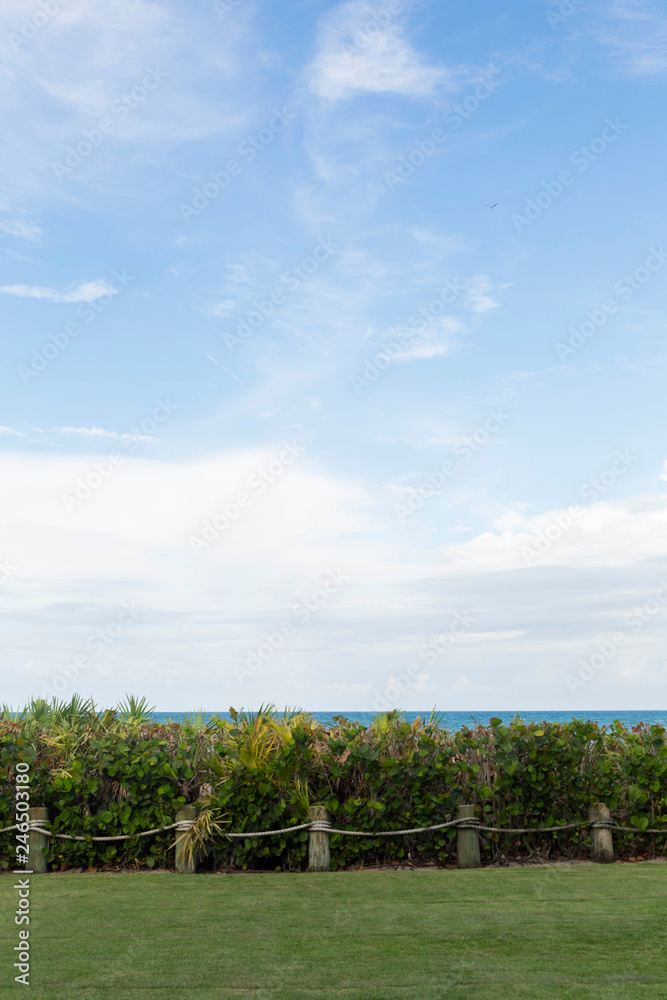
[492, 206]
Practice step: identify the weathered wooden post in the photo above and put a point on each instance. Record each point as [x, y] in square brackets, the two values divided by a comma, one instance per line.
[185, 817]
[319, 851]
[467, 841]
[602, 842]
[37, 842]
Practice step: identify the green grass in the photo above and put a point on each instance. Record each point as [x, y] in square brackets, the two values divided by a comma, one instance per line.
[569, 933]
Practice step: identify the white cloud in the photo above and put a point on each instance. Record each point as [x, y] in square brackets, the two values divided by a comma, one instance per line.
[129, 542]
[74, 70]
[465, 684]
[85, 291]
[623, 533]
[98, 432]
[477, 295]
[437, 339]
[11, 432]
[356, 54]
[220, 310]
[147, 511]
[635, 33]
[450, 243]
[20, 229]
[629, 10]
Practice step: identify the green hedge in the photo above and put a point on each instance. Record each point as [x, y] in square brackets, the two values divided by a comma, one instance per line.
[102, 775]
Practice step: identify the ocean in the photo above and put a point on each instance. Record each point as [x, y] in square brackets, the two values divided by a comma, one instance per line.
[456, 720]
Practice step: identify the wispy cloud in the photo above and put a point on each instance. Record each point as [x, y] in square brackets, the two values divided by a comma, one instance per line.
[85, 291]
[433, 341]
[12, 432]
[358, 53]
[635, 32]
[16, 227]
[99, 432]
[477, 296]
[67, 66]
[450, 243]
[220, 310]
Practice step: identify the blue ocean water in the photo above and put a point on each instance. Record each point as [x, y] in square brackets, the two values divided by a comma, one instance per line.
[456, 720]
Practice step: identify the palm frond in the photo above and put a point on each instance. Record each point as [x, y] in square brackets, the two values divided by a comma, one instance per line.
[9, 714]
[135, 711]
[201, 834]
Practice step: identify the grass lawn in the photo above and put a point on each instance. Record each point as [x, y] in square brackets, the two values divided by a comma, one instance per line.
[493, 934]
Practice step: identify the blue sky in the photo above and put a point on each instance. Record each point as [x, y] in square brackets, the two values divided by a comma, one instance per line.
[288, 412]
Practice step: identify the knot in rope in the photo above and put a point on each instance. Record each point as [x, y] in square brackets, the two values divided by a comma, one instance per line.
[38, 824]
[603, 824]
[467, 823]
[320, 826]
[184, 825]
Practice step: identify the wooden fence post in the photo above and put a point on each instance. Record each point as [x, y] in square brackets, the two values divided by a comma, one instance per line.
[184, 866]
[467, 841]
[319, 851]
[38, 842]
[602, 842]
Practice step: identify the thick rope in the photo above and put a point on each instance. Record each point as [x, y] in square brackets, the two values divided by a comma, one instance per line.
[606, 825]
[465, 823]
[324, 826]
[269, 833]
[126, 836]
[535, 829]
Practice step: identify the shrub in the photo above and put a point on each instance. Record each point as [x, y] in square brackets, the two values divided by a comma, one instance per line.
[119, 772]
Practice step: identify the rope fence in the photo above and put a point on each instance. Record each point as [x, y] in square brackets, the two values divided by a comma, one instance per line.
[320, 829]
[324, 826]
